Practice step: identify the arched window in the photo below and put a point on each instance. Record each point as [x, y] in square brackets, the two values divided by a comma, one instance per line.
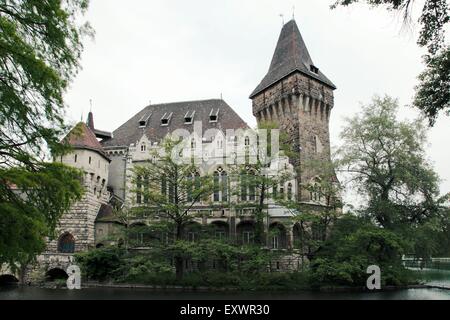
[220, 185]
[192, 185]
[248, 186]
[139, 188]
[251, 187]
[216, 194]
[244, 184]
[289, 191]
[143, 147]
[247, 141]
[163, 186]
[224, 186]
[66, 243]
[275, 191]
[146, 186]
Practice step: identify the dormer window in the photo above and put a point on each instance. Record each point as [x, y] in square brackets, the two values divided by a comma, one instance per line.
[213, 115]
[189, 117]
[144, 120]
[166, 119]
[314, 69]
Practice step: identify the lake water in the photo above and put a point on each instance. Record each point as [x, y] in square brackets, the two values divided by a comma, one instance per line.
[31, 293]
[437, 277]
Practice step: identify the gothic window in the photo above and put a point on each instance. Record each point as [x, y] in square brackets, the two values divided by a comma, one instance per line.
[146, 186]
[139, 188]
[275, 241]
[191, 236]
[247, 237]
[248, 188]
[224, 186]
[172, 192]
[216, 187]
[220, 235]
[143, 147]
[220, 185]
[189, 188]
[66, 243]
[251, 189]
[289, 191]
[76, 158]
[247, 141]
[244, 187]
[163, 186]
[90, 159]
[193, 184]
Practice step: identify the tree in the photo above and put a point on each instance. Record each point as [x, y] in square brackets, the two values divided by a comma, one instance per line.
[432, 92]
[167, 190]
[385, 159]
[40, 47]
[354, 244]
[257, 178]
[315, 222]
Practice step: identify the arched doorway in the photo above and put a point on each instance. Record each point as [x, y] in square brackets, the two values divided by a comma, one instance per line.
[277, 236]
[56, 274]
[66, 243]
[246, 232]
[8, 280]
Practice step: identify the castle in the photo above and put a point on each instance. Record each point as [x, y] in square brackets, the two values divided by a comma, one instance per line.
[294, 93]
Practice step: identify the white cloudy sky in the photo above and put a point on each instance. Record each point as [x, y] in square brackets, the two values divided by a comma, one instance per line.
[168, 50]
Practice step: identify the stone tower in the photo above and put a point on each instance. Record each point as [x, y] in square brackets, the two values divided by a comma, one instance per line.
[299, 97]
[76, 228]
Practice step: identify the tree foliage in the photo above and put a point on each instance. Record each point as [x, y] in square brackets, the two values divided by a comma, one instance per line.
[40, 47]
[386, 161]
[354, 244]
[434, 17]
[256, 180]
[168, 190]
[433, 92]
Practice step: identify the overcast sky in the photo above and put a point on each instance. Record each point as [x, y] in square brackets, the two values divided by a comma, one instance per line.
[167, 50]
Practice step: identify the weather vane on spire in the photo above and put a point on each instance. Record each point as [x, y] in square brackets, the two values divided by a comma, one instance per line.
[293, 12]
[90, 105]
[282, 18]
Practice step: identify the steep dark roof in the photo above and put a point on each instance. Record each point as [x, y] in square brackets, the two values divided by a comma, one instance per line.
[290, 55]
[83, 138]
[130, 132]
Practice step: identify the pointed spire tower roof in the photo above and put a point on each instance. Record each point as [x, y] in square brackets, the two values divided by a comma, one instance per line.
[290, 55]
[82, 137]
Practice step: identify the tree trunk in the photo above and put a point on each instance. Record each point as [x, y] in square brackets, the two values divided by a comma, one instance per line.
[179, 272]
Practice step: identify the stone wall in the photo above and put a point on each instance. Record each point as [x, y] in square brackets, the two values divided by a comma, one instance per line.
[302, 107]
